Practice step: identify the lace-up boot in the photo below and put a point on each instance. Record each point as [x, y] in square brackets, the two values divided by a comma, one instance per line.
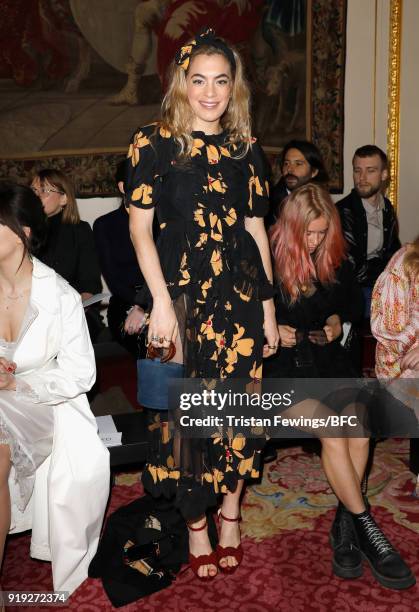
[347, 559]
[385, 562]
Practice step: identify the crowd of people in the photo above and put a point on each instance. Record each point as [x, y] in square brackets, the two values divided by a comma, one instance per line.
[232, 281]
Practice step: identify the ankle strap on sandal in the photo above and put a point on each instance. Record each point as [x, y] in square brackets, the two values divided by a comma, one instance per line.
[230, 520]
[197, 528]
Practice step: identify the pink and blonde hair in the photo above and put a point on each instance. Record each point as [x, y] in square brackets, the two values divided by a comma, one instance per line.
[294, 267]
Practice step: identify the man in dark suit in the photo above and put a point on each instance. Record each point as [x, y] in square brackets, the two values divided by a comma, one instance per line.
[368, 219]
[301, 163]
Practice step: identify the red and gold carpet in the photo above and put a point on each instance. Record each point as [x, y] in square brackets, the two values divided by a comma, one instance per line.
[287, 563]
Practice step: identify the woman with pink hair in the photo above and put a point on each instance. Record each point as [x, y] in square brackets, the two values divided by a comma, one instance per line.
[316, 293]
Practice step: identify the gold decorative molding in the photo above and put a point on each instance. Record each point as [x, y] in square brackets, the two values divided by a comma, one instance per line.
[393, 121]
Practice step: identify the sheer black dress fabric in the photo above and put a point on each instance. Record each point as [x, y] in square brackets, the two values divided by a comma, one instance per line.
[215, 277]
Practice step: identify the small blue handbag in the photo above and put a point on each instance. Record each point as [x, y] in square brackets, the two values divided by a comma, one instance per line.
[153, 376]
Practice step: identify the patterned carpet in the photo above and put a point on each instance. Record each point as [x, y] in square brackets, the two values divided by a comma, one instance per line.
[286, 520]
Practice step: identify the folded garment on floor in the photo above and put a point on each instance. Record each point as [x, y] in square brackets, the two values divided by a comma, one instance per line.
[142, 549]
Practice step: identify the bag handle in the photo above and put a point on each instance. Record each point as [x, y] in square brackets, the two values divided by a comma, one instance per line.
[154, 352]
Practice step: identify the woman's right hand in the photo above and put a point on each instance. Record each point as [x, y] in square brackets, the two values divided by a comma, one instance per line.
[287, 335]
[134, 321]
[6, 366]
[163, 325]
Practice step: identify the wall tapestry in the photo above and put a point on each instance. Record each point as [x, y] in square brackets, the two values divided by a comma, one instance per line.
[77, 77]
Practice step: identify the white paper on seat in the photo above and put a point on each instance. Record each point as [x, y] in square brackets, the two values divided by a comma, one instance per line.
[107, 431]
[98, 297]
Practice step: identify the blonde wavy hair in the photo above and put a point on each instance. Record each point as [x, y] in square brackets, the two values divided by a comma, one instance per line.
[177, 114]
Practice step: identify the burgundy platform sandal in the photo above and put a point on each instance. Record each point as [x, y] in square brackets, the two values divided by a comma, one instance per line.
[229, 551]
[196, 562]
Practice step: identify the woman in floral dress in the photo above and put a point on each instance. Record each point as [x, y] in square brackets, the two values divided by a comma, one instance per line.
[209, 278]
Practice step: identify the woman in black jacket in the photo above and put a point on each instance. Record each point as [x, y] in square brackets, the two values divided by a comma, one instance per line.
[69, 248]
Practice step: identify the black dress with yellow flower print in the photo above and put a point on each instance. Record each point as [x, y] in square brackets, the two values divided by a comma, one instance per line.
[214, 274]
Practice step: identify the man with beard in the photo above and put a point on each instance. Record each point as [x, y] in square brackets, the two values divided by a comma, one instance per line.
[301, 163]
[368, 218]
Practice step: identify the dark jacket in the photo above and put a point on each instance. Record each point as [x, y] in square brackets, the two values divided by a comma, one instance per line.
[278, 194]
[117, 255]
[70, 251]
[308, 313]
[355, 229]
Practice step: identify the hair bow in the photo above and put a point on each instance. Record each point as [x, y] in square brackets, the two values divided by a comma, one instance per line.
[206, 36]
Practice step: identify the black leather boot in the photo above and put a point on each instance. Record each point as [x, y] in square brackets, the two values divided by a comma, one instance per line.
[386, 564]
[347, 559]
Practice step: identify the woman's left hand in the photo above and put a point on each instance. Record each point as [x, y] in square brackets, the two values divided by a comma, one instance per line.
[333, 328]
[7, 382]
[270, 329]
[410, 361]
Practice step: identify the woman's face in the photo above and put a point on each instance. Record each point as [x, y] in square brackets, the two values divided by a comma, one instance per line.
[316, 233]
[209, 84]
[52, 199]
[9, 242]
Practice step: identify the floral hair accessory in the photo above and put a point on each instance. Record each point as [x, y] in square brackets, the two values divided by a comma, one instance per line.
[206, 36]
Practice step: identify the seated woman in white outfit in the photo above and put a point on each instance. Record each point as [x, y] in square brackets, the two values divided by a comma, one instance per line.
[54, 470]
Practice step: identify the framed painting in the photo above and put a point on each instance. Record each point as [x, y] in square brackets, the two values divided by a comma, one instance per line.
[77, 78]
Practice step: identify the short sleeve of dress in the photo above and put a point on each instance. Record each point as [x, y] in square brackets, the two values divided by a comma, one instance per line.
[141, 173]
[258, 183]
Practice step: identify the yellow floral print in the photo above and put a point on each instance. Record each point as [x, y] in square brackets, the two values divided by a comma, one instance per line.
[231, 217]
[162, 473]
[186, 277]
[205, 286]
[254, 186]
[203, 239]
[143, 194]
[207, 329]
[139, 141]
[243, 296]
[220, 341]
[217, 184]
[216, 262]
[224, 151]
[240, 346]
[238, 443]
[213, 154]
[197, 146]
[216, 227]
[198, 216]
[246, 465]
